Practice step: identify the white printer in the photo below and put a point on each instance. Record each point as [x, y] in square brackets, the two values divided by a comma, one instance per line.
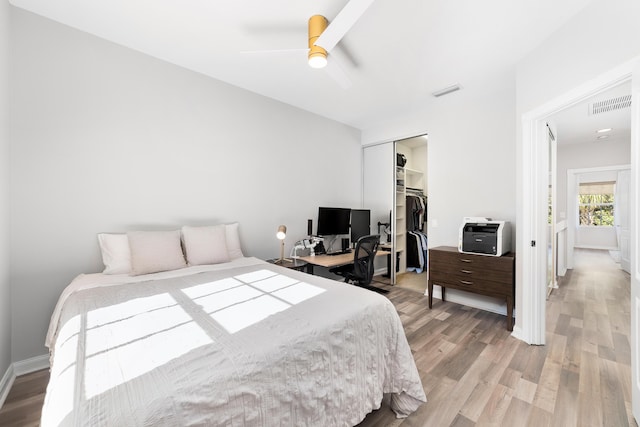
[479, 235]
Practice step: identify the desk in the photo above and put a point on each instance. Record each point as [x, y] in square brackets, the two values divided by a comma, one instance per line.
[386, 248]
[330, 261]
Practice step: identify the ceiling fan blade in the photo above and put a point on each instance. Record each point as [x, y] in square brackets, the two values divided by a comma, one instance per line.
[342, 23]
[276, 52]
[336, 71]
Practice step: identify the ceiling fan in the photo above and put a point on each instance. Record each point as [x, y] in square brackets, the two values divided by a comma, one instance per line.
[324, 36]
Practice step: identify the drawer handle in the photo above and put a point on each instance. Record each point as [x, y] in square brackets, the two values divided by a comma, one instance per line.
[465, 260]
[466, 271]
[465, 282]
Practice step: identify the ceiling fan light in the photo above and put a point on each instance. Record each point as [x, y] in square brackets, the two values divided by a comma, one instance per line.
[317, 55]
[317, 60]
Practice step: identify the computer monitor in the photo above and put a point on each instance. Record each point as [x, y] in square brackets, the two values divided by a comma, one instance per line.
[333, 221]
[360, 223]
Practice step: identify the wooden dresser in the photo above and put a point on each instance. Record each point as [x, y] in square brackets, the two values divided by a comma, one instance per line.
[481, 274]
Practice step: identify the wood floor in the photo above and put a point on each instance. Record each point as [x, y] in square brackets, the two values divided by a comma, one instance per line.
[475, 374]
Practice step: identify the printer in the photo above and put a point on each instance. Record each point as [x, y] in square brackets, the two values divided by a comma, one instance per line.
[479, 235]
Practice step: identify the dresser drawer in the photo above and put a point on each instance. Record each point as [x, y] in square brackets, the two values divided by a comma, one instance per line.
[456, 260]
[471, 283]
[472, 272]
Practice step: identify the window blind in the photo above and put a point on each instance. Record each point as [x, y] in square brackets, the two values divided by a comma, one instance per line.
[607, 187]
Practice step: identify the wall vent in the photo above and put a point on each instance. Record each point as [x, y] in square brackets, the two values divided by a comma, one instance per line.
[612, 104]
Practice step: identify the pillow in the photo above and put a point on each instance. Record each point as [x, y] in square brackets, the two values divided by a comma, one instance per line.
[116, 255]
[205, 245]
[233, 241]
[153, 251]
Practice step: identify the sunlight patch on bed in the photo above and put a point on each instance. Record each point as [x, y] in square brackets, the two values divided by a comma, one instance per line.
[210, 288]
[274, 283]
[299, 292]
[130, 329]
[123, 349]
[70, 329]
[265, 294]
[239, 316]
[117, 312]
[63, 373]
[224, 299]
[255, 276]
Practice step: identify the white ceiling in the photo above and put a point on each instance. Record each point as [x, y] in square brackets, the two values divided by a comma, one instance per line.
[575, 125]
[400, 51]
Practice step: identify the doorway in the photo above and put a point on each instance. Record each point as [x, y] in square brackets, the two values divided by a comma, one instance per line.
[587, 207]
[410, 214]
[532, 266]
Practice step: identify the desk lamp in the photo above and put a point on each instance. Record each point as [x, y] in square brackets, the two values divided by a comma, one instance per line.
[281, 234]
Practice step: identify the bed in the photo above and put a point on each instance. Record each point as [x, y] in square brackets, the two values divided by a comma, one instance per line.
[239, 343]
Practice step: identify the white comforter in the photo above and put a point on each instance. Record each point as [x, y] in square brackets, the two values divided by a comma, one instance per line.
[241, 344]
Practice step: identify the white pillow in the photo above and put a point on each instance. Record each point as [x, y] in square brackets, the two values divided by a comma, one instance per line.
[116, 255]
[153, 251]
[205, 245]
[233, 241]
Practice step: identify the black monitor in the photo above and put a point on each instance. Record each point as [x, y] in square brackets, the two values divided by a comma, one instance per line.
[333, 221]
[360, 223]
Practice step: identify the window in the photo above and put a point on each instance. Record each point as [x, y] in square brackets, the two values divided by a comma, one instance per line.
[595, 204]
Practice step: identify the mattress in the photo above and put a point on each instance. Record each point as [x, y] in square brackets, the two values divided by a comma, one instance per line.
[244, 343]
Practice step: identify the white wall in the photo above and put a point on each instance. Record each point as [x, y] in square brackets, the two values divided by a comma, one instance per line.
[5, 287]
[471, 155]
[584, 156]
[471, 167]
[108, 139]
[603, 35]
[595, 237]
[590, 155]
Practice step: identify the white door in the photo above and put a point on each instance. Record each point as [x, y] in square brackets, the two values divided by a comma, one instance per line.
[552, 246]
[378, 183]
[634, 232]
[622, 219]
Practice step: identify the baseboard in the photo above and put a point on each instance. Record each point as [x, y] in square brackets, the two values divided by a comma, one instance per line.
[600, 248]
[6, 383]
[380, 271]
[21, 367]
[33, 364]
[517, 333]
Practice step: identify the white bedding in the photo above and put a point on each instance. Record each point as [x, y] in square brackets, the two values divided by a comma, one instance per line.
[244, 343]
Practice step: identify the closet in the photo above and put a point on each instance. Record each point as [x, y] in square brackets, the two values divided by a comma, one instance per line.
[411, 205]
[395, 189]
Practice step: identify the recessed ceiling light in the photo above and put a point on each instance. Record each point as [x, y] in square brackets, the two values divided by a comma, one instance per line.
[603, 136]
[604, 130]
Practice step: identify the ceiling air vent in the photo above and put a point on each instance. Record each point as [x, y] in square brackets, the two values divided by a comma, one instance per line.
[446, 90]
[612, 104]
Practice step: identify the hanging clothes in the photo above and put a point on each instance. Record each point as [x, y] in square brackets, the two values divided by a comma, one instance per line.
[416, 215]
[416, 209]
[416, 251]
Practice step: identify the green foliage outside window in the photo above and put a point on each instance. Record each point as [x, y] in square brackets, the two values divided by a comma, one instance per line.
[595, 209]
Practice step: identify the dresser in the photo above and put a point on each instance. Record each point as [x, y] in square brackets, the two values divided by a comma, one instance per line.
[480, 274]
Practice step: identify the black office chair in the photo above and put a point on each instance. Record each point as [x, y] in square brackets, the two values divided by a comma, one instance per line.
[361, 271]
